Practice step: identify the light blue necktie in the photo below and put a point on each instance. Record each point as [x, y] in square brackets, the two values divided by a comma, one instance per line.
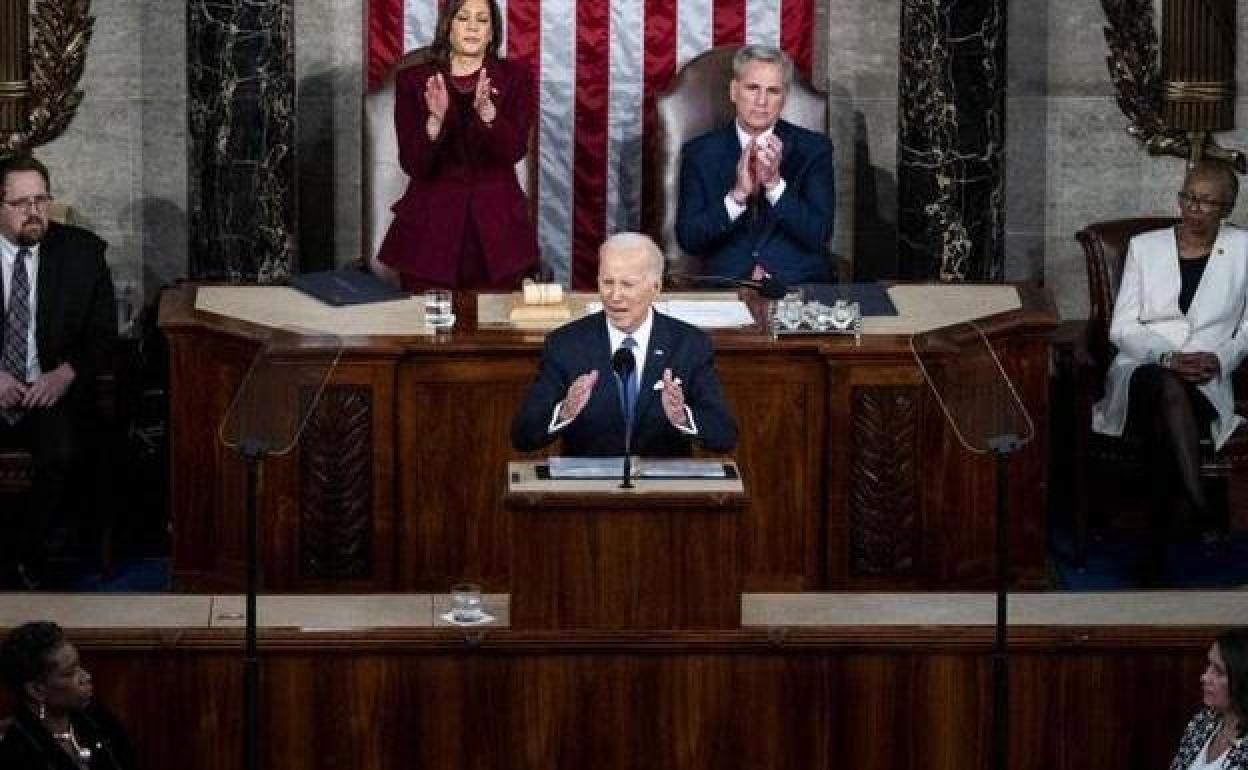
[630, 382]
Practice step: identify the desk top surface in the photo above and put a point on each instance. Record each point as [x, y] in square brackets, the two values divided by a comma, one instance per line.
[253, 311]
[312, 613]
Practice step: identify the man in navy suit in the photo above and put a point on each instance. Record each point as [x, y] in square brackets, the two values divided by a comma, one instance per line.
[674, 401]
[57, 329]
[757, 195]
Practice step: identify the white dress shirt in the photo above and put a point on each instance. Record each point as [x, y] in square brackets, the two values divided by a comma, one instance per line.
[8, 258]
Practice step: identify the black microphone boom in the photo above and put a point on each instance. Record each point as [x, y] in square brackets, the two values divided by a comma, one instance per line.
[770, 287]
[623, 362]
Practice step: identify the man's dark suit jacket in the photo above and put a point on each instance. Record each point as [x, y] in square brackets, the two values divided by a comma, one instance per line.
[75, 315]
[788, 239]
[583, 345]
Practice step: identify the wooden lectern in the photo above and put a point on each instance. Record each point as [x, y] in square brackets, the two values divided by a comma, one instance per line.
[587, 554]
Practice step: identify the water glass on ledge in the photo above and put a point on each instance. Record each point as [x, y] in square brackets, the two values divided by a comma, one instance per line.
[439, 312]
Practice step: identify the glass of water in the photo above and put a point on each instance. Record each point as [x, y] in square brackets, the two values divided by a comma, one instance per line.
[790, 310]
[438, 309]
[466, 603]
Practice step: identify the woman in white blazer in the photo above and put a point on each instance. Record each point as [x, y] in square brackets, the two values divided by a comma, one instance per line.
[1181, 330]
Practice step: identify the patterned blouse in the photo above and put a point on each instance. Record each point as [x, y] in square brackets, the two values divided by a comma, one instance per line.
[1203, 725]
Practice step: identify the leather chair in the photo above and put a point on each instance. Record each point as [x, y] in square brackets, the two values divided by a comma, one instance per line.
[696, 102]
[384, 180]
[1105, 248]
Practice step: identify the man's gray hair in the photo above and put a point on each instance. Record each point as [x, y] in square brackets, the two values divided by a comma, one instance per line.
[765, 53]
[1219, 171]
[636, 242]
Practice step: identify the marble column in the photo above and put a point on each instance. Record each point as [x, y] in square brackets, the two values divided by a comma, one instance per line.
[951, 136]
[240, 103]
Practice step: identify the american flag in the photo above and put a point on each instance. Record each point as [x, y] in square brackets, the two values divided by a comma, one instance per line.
[599, 64]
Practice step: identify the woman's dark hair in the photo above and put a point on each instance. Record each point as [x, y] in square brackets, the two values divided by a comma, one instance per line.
[1233, 647]
[25, 652]
[441, 46]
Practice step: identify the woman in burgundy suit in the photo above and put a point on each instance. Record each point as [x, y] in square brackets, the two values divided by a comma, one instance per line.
[463, 123]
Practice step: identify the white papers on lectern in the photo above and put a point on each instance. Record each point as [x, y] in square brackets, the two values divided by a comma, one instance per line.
[682, 469]
[651, 468]
[702, 313]
[587, 467]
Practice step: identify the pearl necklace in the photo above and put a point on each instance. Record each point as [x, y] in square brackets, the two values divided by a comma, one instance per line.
[81, 752]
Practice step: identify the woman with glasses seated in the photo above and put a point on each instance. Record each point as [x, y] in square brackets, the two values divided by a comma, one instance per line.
[463, 121]
[1180, 330]
[57, 726]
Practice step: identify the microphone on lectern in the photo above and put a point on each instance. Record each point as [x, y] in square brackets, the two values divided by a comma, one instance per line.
[623, 363]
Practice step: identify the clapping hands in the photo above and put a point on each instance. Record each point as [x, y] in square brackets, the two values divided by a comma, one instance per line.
[577, 396]
[1196, 368]
[768, 150]
[437, 100]
[483, 99]
[673, 400]
[758, 166]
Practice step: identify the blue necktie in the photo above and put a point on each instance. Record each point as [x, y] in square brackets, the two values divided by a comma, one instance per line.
[630, 382]
[16, 328]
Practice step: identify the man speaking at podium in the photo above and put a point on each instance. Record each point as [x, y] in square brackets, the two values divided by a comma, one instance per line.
[626, 360]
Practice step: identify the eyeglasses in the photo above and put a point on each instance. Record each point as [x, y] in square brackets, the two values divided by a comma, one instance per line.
[28, 204]
[1187, 200]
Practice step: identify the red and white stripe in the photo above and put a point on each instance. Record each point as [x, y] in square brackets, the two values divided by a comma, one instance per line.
[599, 65]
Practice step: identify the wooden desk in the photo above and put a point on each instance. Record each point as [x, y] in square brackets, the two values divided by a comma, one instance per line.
[589, 555]
[856, 483]
[382, 696]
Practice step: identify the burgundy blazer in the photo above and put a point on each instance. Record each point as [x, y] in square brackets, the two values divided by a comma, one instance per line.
[464, 179]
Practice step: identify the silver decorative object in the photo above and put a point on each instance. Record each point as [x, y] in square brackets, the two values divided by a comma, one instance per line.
[789, 317]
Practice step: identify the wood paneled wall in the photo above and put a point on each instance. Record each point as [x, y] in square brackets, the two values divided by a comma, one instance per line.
[869, 699]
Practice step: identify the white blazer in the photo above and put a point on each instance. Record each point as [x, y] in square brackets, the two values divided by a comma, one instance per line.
[1147, 322]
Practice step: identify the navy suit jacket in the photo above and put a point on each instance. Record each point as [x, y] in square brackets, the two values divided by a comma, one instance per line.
[788, 239]
[583, 345]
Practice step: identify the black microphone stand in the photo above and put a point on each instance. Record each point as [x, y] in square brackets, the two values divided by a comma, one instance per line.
[623, 364]
[769, 288]
[287, 366]
[627, 481]
[1002, 447]
[253, 451]
[987, 417]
